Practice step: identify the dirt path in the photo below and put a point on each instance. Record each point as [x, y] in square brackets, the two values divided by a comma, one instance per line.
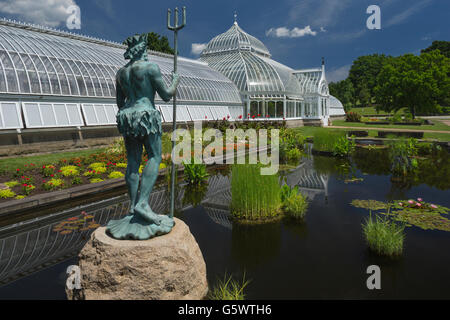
[389, 129]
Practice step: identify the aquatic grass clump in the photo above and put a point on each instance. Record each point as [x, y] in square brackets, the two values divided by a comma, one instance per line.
[195, 174]
[326, 140]
[383, 236]
[294, 203]
[254, 196]
[228, 289]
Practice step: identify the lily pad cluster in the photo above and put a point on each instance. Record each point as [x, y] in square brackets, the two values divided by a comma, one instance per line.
[417, 213]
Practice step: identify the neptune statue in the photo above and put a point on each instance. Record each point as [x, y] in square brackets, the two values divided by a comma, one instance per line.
[140, 124]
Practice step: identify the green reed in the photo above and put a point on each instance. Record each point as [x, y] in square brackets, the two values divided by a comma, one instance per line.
[254, 196]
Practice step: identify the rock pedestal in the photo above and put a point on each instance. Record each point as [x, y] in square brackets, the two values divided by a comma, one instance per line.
[168, 267]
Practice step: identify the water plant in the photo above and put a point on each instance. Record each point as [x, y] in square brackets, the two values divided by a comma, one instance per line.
[326, 140]
[294, 154]
[402, 153]
[383, 236]
[228, 289]
[294, 203]
[343, 146]
[254, 196]
[195, 174]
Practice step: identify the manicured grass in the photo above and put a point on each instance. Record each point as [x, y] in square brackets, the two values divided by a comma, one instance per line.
[372, 111]
[438, 126]
[11, 164]
[383, 236]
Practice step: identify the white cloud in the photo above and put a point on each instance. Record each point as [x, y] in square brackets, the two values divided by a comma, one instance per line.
[338, 74]
[197, 48]
[284, 32]
[49, 13]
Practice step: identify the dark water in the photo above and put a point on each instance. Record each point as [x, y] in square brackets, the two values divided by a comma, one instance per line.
[324, 257]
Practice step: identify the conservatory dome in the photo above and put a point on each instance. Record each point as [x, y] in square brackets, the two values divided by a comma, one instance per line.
[247, 62]
[236, 39]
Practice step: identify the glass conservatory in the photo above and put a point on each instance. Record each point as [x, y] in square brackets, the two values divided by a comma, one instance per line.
[51, 79]
[268, 88]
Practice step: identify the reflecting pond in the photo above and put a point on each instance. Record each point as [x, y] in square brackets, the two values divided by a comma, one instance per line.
[323, 257]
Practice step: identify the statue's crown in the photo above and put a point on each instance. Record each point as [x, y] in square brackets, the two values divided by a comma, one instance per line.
[135, 40]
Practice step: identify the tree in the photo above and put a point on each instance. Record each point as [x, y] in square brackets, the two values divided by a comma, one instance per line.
[363, 75]
[416, 82]
[344, 91]
[442, 46]
[155, 42]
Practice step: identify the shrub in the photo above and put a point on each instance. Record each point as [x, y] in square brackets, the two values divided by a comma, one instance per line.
[228, 289]
[12, 184]
[195, 174]
[96, 180]
[48, 170]
[70, 171]
[53, 184]
[121, 165]
[96, 165]
[383, 236]
[27, 188]
[116, 175]
[76, 180]
[20, 197]
[352, 117]
[7, 193]
[254, 196]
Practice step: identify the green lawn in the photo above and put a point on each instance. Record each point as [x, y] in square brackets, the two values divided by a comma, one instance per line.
[438, 126]
[309, 131]
[11, 164]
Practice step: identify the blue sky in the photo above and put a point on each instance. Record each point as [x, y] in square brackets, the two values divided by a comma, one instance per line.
[297, 32]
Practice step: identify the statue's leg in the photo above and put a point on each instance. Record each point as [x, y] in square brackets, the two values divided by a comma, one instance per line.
[153, 148]
[134, 156]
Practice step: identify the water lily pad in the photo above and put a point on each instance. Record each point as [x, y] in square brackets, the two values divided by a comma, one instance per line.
[369, 204]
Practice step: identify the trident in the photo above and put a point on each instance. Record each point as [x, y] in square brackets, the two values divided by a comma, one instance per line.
[175, 29]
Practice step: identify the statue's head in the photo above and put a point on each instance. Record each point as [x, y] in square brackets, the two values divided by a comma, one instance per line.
[137, 46]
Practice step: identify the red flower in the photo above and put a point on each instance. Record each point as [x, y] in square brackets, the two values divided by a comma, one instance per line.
[17, 170]
[52, 175]
[24, 185]
[43, 167]
[253, 117]
[240, 117]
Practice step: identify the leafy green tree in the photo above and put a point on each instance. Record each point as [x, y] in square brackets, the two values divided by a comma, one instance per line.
[344, 91]
[363, 75]
[419, 83]
[442, 46]
[155, 42]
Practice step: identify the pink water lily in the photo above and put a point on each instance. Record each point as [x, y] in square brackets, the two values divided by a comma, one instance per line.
[400, 204]
[411, 201]
[433, 206]
[419, 205]
[419, 199]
